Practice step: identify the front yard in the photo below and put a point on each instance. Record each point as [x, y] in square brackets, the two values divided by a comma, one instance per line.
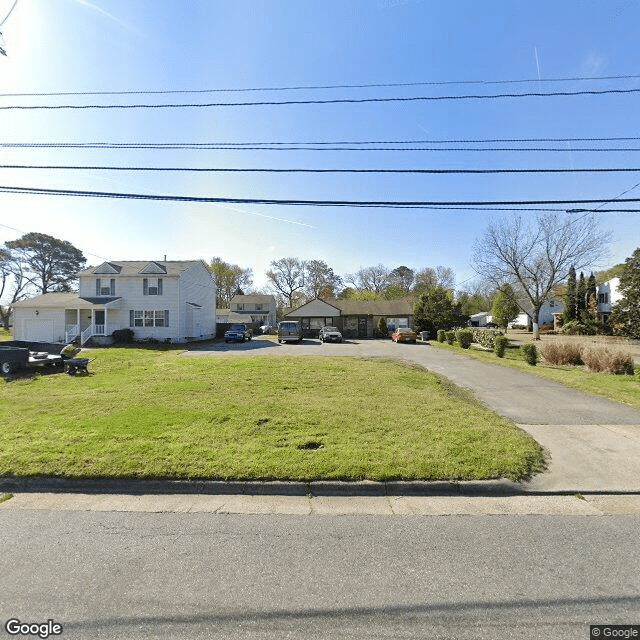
[151, 413]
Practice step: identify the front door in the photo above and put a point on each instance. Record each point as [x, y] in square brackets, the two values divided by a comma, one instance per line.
[362, 327]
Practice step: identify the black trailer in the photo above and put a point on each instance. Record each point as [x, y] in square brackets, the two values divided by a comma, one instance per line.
[16, 355]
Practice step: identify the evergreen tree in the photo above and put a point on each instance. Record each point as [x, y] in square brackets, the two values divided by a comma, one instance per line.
[434, 309]
[505, 308]
[570, 297]
[581, 297]
[625, 315]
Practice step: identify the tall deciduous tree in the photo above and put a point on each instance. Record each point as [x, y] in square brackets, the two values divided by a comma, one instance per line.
[321, 281]
[287, 277]
[535, 254]
[48, 263]
[229, 279]
[13, 284]
[401, 279]
[625, 314]
[373, 279]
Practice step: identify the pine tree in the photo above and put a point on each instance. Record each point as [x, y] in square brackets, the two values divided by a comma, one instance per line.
[581, 296]
[625, 315]
[570, 297]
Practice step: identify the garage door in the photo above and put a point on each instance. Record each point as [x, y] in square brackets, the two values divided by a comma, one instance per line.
[38, 330]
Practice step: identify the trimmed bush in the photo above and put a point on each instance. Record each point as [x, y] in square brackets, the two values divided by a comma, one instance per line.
[451, 336]
[442, 335]
[464, 337]
[500, 345]
[486, 337]
[562, 353]
[381, 329]
[123, 336]
[529, 353]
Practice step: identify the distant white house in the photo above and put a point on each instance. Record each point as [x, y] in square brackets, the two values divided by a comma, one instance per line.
[549, 311]
[608, 295]
[256, 308]
[480, 319]
[170, 301]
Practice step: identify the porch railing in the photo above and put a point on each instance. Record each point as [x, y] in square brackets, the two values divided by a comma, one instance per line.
[71, 333]
[91, 330]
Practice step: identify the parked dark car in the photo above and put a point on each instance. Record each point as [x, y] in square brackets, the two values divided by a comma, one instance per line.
[289, 331]
[238, 333]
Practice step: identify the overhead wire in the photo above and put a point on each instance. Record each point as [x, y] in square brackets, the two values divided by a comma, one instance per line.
[300, 202]
[316, 170]
[378, 85]
[260, 103]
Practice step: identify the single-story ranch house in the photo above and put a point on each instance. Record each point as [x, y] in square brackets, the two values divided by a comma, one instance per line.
[353, 318]
[169, 301]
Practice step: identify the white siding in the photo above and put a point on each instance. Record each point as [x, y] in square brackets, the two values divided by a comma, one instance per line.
[197, 287]
[28, 326]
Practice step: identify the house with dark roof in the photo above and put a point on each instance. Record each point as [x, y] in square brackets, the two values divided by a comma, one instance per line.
[168, 301]
[353, 318]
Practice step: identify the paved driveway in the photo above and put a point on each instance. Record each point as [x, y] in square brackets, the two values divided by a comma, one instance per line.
[594, 443]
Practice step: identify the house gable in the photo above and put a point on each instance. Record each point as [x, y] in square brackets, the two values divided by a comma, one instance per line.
[108, 268]
[154, 267]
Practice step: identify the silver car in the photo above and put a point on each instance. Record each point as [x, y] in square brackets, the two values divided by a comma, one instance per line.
[330, 334]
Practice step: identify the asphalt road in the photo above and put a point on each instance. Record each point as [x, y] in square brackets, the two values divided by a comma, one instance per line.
[145, 575]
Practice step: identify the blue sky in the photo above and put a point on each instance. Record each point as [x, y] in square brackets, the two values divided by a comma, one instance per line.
[154, 45]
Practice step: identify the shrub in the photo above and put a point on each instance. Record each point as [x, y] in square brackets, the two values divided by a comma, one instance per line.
[464, 337]
[530, 353]
[603, 357]
[451, 336]
[381, 329]
[562, 353]
[486, 337]
[441, 337]
[637, 370]
[123, 336]
[519, 327]
[500, 345]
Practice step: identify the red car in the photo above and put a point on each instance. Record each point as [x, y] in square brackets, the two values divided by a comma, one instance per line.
[404, 334]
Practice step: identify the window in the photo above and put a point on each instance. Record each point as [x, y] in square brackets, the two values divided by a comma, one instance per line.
[552, 303]
[149, 318]
[239, 306]
[258, 307]
[104, 289]
[152, 287]
[603, 298]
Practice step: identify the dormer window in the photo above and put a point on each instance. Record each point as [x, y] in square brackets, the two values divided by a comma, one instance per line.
[152, 286]
[105, 287]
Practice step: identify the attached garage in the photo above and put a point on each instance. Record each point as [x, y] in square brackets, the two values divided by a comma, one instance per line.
[38, 330]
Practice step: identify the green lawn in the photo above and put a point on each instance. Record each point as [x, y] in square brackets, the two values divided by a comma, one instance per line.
[621, 388]
[5, 335]
[154, 413]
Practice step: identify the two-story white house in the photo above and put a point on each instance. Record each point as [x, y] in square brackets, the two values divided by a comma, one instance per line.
[258, 309]
[608, 295]
[169, 301]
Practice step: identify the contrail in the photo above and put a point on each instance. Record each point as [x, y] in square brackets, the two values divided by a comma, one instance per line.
[535, 50]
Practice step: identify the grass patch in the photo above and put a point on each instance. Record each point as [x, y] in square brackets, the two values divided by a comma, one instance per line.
[620, 388]
[5, 496]
[152, 413]
[5, 335]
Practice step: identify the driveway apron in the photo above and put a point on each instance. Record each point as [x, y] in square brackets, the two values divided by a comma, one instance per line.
[593, 443]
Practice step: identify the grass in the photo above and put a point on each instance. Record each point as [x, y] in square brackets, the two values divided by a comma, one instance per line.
[620, 388]
[5, 334]
[152, 413]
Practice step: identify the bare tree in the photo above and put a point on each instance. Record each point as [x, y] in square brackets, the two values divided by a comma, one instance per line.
[434, 277]
[13, 284]
[373, 279]
[287, 276]
[535, 255]
[229, 279]
[321, 281]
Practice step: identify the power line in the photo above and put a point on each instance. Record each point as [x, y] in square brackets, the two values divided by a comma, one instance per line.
[537, 94]
[380, 85]
[301, 170]
[197, 145]
[296, 202]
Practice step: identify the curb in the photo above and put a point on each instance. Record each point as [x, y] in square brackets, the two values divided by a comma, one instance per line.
[317, 488]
